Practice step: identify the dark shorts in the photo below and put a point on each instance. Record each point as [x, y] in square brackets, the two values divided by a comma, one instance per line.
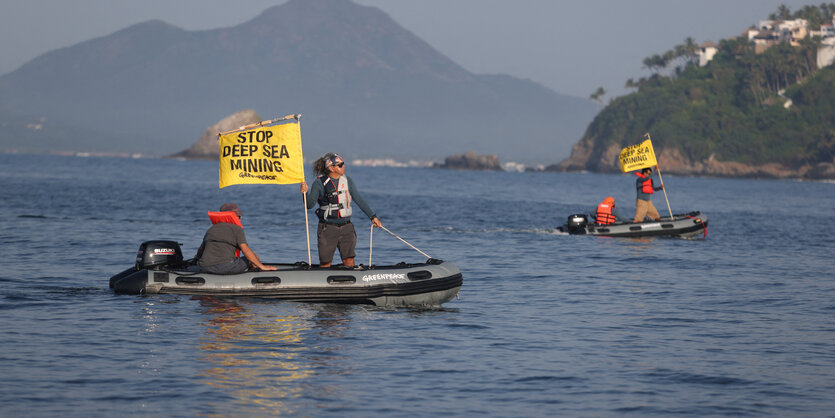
[237, 265]
[331, 237]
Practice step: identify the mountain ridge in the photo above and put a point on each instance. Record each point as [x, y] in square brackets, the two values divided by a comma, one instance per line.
[362, 81]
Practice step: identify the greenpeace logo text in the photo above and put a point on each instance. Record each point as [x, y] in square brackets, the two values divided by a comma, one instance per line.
[383, 276]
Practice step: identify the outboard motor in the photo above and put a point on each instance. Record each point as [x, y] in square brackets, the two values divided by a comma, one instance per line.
[155, 254]
[576, 223]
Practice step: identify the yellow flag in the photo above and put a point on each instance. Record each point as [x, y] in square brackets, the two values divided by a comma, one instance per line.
[636, 157]
[264, 155]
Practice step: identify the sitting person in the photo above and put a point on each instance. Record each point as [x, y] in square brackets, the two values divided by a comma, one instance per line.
[218, 254]
[607, 214]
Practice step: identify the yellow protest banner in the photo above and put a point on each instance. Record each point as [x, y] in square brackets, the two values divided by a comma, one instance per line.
[636, 157]
[263, 155]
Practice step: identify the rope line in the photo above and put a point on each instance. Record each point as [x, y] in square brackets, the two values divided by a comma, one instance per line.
[404, 241]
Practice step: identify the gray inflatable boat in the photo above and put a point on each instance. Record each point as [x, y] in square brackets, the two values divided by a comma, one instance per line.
[160, 269]
[688, 225]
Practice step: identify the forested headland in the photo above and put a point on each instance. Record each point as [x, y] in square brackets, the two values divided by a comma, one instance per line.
[744, 113]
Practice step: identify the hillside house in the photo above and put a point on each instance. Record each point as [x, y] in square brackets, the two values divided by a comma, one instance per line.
[765, 39]
[787, 30]
[750, 33]
[706, 52]
[827, 30]
[826, 51]
[769, 32]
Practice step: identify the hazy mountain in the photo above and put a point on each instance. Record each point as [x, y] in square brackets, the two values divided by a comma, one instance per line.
[365, 86]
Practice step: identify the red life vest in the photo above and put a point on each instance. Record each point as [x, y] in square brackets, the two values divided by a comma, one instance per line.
[604, 214]
[228, 217]
[646, 185]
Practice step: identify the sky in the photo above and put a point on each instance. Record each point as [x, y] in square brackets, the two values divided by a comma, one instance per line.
[571, 47]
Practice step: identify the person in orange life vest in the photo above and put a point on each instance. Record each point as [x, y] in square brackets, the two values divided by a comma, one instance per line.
[217, 252]
[335, 193]
[606, 213]
[643, 204]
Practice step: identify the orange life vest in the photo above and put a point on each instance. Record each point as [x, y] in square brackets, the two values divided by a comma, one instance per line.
[228, 217]
[604, 214]
[646, 185]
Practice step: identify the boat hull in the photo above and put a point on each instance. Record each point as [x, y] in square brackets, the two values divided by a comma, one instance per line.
[426, 284]
[690, 225]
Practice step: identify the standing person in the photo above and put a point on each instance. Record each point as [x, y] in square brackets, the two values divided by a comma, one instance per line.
[217, 252]
[643, 204]
[335, 193]
[606, 213]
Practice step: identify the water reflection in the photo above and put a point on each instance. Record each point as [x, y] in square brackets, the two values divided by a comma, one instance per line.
[263, 354]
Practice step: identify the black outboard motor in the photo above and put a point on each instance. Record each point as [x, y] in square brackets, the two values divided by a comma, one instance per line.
[155, 254]
[576, 223]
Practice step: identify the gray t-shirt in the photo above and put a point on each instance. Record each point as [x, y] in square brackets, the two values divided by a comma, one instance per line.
[220, 243]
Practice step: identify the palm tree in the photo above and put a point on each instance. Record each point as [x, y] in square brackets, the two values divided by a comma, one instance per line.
[649, 64]
[783, 13]
[691, 48]
[597, 96]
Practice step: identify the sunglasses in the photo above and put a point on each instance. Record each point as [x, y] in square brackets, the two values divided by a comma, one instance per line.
[340, 165]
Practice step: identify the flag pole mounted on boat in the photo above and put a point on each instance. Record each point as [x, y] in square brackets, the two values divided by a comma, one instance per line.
[306, 221]
[265, 152]
[664, 189]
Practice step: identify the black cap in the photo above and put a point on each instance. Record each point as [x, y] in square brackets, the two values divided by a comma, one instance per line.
[231, 207]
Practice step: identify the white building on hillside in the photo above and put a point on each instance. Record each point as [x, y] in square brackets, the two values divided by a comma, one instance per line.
[826, 52]
[706, 52]
[749, 34]
[827, 30]
[769, 32]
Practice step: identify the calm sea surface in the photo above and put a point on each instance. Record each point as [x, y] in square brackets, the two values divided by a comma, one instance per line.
[739, 323]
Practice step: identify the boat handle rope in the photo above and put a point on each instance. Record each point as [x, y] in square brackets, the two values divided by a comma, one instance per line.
[371, 243]
[703, 224]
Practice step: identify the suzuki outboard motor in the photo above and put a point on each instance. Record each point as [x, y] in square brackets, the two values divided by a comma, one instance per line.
[576, 223]
[155, 254]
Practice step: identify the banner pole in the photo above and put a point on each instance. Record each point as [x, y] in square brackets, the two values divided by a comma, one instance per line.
[307, 228]
[658, 169]
[298, 118]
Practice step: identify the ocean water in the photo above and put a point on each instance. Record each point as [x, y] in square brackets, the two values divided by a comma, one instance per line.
[739, 323]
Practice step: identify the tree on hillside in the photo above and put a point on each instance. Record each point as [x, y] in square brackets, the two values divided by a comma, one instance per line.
[598, 97]
[783, 13]
[654, 63]
[809, 52]
[816, 15]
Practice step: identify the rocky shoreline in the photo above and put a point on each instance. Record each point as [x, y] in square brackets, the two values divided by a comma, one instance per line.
[673, 162]
[584, 158]
[471, 161]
